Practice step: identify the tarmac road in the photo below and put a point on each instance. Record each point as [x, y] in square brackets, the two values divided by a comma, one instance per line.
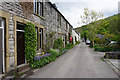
[79, 62]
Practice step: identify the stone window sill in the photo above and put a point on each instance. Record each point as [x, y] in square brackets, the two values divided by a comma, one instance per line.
[39, 16]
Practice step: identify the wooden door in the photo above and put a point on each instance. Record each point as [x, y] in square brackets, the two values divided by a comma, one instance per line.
[20, 48]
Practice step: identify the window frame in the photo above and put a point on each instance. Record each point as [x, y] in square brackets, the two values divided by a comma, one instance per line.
[38, 7]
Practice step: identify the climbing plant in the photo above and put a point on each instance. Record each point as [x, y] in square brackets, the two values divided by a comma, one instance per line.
[58, 44]
[30, 42]
[50, 38]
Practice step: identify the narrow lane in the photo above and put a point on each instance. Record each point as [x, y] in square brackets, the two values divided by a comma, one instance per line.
[79, 62]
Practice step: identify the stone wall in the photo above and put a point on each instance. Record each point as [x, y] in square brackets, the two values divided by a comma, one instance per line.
[25, 10]
[11, 42]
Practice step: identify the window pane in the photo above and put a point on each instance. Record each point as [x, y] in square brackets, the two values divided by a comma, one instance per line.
[39, 9]
[20, 26]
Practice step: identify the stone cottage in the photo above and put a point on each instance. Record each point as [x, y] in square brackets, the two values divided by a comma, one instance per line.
[13, 18]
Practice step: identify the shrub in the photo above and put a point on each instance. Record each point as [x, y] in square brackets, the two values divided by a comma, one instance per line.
[41, 61]
[69, 46]
[107, 48]
[77, 42]
[54, 52]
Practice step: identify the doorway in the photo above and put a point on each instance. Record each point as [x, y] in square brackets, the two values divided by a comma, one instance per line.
[2, 62]
[20, 44]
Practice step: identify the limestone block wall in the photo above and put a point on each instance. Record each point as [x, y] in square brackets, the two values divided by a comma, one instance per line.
[24, 10]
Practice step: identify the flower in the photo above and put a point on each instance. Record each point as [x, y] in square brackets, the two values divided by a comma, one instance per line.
[42, 53]
[41, 56]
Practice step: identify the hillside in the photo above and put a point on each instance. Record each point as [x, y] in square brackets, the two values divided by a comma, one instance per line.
[114, 26]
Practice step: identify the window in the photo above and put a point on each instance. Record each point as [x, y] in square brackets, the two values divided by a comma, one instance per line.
[39, 34]
[59, 20]
[38, 7]
[36, 29]
[41, 37]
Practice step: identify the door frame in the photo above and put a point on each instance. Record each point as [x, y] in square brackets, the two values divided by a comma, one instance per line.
[3, 54]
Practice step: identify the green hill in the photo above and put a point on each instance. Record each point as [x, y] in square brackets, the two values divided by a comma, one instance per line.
[103, 31]
[113, 27]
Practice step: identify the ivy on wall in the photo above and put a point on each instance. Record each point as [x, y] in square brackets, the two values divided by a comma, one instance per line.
[58, 44]
[50, 40]
[30, 42]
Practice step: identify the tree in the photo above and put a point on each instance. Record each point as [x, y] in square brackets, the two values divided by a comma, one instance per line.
[89, 18]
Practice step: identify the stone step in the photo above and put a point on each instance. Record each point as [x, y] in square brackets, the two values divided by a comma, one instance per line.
[22, 68]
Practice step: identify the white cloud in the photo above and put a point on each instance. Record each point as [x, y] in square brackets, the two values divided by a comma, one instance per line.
[73, 9]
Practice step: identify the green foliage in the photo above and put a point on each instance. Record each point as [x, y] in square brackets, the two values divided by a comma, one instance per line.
[108, 27]
[107, 48]
[102, 59]
[77, 42]
[30, 42]
[58, 44]
[49, 42]
[54, 53]
[51, 34]
[69, 46]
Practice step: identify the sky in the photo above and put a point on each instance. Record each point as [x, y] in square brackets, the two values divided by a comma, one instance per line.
[73, 9]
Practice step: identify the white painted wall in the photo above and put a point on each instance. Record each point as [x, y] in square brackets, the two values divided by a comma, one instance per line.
[77, 36]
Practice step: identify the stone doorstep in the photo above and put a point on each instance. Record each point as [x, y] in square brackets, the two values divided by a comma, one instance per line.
[24, 68]
[115, 68]
[27, 73]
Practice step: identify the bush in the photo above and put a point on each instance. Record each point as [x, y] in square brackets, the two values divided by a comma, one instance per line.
[42, 61]
[77, 42]
[54, 52]
[107, 48]
[69, 46]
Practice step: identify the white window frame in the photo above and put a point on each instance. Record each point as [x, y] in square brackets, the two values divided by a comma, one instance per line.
[36, 5]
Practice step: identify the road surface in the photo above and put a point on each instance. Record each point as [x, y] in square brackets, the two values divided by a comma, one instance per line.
[79, 62]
